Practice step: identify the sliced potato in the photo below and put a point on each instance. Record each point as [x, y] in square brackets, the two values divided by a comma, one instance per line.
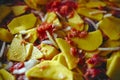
[76, 21]
[61, 59]
[23, 22]
[87, 12]
[95, 4]
[6, 75]
[19, 51]
[65, 49]
[110, 44]
[18, 10]
[91, 42]
[4, 11]
[113, 66]
[110, 27]
[36, 54]
[5, 35]
[32, 33]
[50, 70]
[48, 51]
[51, 17]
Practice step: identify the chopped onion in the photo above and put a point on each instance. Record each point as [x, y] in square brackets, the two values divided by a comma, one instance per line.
[98, 24]
[19, 71]
[55, 35]
[2, 49]
[67, 28]
[51, 39]
[23, 32]
[115, 8]
[97, 12]
[40, 15]
[107, 15]
[29, 64]
[47, 42]
[91, 22]
[27, 36]
[109, 49]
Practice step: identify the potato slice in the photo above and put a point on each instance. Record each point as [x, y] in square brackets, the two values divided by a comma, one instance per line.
[4, 11]
[76, 21]
[95, 4]
[48, 51]
[51, 17]
[65, 49]
[87, 12]
[32, 35]
[18, 10]
[22, 23]
[19, 51]
[36, 54]
[113, 66]
[110, 27]
[50, 70]
[6, 75]
[61, 59]
[110, 44]
[91, 42]
[5, 35]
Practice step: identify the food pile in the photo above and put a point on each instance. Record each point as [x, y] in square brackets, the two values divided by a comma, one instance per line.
[60, 40]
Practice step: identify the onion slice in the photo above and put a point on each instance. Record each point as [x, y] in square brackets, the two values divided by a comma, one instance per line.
[91, 22]
[109, 49]
[2, 49]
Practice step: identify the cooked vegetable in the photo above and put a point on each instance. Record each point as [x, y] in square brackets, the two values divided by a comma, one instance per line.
[5, 10]
[113, 68]
[6, 75]
[48, 51]
[51, 17]
[76, 22]
[5, 35]
[65, 49]
[90, 42]
[22, 23]
[18, 10]
[87, 13]
[19, 51]
[60, 40]
[50, 70]
[110, 27]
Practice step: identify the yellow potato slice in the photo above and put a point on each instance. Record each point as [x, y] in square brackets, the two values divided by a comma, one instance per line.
[4, 11]
[6, 75]
[95, 4]
[5, 35]
[113, 66]
[65, 49]
[19, 51]
[110, 27]
[48, 51]
[36, 54]
[87, 12]
[50, 70]
[51, 17]
[76, 21]
[23, 22]
[91, 42]
[18, 10]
